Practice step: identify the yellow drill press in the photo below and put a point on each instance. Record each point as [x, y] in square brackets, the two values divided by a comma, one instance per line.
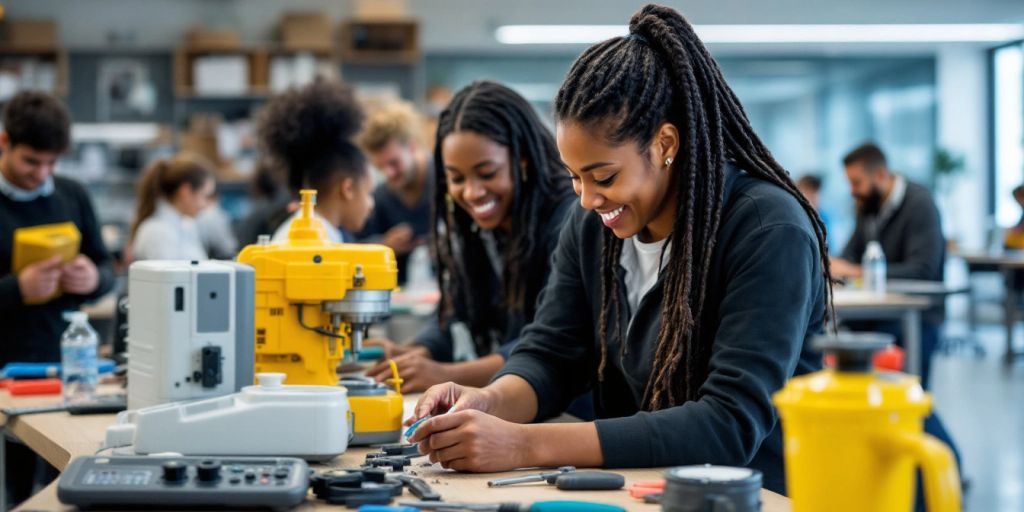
[314, 301]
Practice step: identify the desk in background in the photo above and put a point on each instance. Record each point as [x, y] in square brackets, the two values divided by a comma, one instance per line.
[1007, 264]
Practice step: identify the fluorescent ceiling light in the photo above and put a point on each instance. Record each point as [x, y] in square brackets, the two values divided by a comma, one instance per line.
[719, 34]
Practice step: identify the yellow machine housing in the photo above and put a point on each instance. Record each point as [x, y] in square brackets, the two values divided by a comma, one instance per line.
[853, 437]
[314, 301]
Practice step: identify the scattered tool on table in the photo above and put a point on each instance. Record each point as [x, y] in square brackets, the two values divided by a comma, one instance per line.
[568, 479]
[355, 487]
[540, 506]
[649, 491]
[104, 404]
[395, 456]
[418, 487]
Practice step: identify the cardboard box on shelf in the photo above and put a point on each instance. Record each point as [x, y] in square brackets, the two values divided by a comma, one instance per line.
[306, 30]
[212, 38]
[201, 136]
[30, 33]
[380, 9]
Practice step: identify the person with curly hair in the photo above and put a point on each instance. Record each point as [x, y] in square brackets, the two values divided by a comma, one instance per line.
[309, 132]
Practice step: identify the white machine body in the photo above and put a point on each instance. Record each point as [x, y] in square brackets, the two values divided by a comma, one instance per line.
[190, 330]
[270, 419]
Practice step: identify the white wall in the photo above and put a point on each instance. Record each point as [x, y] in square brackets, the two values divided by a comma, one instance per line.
[961, 84]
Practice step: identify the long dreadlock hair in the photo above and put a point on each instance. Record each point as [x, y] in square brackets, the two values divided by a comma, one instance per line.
[499, 114]
[628, 87]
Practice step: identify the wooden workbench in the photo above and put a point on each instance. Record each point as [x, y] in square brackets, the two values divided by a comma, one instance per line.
[58, 437]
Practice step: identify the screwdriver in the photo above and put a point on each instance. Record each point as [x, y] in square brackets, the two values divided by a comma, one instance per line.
[568, 479]
[540, 506]
[539, 477]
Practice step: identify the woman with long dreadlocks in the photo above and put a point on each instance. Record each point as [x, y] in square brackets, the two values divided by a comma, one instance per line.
[500, 199]
[683, 292]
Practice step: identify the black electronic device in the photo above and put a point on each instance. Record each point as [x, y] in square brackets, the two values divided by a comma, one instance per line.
[184, 482]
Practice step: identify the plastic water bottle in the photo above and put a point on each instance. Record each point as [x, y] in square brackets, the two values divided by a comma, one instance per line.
[873, 265]
[78, 359]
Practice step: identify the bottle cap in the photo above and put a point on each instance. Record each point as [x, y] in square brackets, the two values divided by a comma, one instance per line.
[76, 317]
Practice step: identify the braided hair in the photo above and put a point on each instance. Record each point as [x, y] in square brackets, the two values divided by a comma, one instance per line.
[499, 114]
[628, 87]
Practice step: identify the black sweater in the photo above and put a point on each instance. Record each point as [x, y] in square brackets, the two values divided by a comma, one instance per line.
[32, 333]
[911, 238]
[765, 300]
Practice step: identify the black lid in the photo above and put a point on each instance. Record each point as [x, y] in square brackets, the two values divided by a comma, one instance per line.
[854, 351]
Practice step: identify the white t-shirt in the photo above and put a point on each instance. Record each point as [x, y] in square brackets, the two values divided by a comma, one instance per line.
[167, 235]
[641, 262]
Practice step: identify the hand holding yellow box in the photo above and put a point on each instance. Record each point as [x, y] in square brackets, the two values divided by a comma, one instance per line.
[38, 243]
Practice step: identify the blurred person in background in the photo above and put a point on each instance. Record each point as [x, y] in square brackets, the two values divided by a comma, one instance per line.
[309, 132]
[401, 215]
[810, 186]
[215, 231]
[171, 194]
[36, 132]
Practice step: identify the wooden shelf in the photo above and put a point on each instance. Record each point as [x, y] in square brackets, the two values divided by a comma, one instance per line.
[50, 53]
[379, 41]
[185, 56]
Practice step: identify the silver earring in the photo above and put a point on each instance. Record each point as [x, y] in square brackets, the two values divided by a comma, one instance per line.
[668, 161]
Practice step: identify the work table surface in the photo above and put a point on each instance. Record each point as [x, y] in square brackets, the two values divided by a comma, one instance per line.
[58, 437]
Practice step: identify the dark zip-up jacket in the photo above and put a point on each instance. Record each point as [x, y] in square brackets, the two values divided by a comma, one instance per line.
[765, 299]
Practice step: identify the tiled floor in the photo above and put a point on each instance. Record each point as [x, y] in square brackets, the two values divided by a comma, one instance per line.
[982, 403]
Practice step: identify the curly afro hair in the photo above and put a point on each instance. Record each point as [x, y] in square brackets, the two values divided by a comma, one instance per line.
[309, 131]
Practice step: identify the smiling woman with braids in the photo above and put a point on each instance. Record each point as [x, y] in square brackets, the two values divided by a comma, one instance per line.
[683, 292]
[500, 199]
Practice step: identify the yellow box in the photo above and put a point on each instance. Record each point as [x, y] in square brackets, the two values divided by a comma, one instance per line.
[38, 243]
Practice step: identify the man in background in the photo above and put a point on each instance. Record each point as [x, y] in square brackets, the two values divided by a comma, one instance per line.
[36, 132]
[401, 218]
[902, 217]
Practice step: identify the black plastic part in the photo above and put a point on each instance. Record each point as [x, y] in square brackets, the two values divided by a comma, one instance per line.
[590, 481]
[854, 352]
[356, 497]
[174, 471]
[179, 298]
[395, 462]
[401, 449]
[421, 489]
[375, 475]
[212, 374]
[653, 499]
[208, 471]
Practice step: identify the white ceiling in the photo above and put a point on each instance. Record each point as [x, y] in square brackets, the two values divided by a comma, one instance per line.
[468, 25]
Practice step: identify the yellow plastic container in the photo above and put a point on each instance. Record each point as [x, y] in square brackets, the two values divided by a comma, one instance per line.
[854, 437]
